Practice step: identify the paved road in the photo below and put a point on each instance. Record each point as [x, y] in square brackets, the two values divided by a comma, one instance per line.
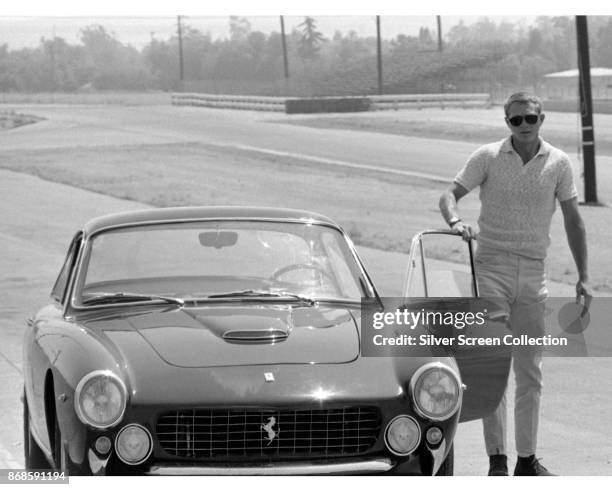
[39, 218]
[38, 221]
[73, 126]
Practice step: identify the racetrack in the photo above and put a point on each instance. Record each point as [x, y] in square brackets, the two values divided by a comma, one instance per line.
[40, 217]
[381, 187]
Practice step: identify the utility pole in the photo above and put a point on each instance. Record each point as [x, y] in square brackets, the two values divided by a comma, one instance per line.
[586, 110]
[52, 56]
[284, 43]
[180, 46]
[379, 56]
[439, 21]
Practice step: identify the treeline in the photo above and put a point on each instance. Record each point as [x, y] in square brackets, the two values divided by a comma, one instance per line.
[483, 56]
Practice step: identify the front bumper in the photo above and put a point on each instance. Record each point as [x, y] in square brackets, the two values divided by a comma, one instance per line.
[381, 465]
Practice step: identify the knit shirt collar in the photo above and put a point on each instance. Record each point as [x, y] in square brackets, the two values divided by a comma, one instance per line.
[508, 148]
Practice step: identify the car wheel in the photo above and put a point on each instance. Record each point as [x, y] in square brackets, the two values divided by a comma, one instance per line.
[33, 456]
[448, 466]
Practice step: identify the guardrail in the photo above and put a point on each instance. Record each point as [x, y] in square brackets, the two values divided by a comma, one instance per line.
[422, 101]
[245, 102]
[331, 104]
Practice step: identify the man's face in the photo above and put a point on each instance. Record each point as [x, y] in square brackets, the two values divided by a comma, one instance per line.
[524, 132]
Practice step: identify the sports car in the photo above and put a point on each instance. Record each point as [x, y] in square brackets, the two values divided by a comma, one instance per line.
[227, 341]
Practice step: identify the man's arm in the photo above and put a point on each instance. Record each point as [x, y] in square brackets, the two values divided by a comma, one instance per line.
[450, 213]
[576, 238]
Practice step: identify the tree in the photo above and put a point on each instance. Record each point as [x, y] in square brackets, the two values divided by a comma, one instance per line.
[162, 62]
[425, 39]
[111, 64]
[63, 65]
[196, 46]
[483, 55]
[602, 54]
[310, 40]
[459, 33]
[240, 28]
[535, 42]
[558, 41]
[7, 77]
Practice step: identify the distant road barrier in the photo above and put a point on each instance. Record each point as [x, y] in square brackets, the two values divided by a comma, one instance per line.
[293, 105]
[422, 101]
[246, 102]
[327, 104]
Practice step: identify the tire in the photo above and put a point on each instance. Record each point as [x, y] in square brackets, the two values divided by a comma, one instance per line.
[448, 466]
[35, 459]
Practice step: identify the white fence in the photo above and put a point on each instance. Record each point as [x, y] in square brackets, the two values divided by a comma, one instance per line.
[422, 101]
[245, 102]
[377, 102]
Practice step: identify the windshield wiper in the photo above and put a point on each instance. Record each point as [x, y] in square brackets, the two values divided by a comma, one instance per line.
[251, 293]
[125, 297]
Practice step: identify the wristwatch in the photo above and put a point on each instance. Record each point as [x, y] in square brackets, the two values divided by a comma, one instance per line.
[454, 221]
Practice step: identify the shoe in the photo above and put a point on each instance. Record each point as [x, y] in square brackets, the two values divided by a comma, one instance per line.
[498, 465]
[530, 466]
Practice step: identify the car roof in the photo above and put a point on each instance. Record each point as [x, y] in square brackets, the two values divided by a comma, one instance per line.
[195, 213]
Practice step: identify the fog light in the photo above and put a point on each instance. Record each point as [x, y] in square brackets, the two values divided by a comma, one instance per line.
[133, 444]
[434, 436]
[102, 445]
[403, 435]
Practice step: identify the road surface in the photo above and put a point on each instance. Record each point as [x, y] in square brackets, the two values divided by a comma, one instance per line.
[39, 218]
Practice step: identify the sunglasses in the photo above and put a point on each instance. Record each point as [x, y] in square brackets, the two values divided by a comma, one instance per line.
[529, 119]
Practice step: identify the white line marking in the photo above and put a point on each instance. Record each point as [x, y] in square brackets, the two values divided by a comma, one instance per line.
[339, 163]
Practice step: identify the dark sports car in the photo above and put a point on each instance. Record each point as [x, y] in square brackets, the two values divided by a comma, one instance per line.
[216, 341]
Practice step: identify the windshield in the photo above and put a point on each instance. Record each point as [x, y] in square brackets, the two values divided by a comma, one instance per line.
[234, 260]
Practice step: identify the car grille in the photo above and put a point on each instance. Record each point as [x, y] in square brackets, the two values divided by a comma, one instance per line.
[265, 434]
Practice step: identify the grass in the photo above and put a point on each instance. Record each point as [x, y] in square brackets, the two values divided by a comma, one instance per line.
[201, 175]
[102, 97]
[11, 119]
[449, 130]
[377, 210]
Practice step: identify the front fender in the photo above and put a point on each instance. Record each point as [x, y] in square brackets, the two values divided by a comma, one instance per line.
[70, 352]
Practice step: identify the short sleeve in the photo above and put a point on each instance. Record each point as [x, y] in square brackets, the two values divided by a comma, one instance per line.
[566, 188]
[474, 173]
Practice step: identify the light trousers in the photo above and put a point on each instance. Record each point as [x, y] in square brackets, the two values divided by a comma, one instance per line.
[517, 285]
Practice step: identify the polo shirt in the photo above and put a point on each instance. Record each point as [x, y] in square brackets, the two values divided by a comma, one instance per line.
[518, 200]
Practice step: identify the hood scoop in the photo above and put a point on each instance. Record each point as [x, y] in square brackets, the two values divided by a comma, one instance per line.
[247, 335]
[270, 335]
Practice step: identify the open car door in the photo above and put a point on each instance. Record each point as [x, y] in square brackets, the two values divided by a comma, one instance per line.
[441, 276]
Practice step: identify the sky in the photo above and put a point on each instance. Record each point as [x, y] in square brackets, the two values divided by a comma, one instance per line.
[19, 32]
[24, 23]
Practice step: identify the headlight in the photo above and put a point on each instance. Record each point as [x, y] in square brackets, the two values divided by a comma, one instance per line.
[133, 444]
[100, 399]
[403, 435]
[436, 391]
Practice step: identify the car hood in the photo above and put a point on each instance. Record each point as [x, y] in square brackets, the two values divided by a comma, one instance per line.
[217, 336]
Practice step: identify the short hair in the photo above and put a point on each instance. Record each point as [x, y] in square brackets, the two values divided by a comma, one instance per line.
[523, 98]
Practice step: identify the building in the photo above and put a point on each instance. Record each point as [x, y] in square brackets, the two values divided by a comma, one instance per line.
[563, 85]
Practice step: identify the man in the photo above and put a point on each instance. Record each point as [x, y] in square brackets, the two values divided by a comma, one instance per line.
[519, 177]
